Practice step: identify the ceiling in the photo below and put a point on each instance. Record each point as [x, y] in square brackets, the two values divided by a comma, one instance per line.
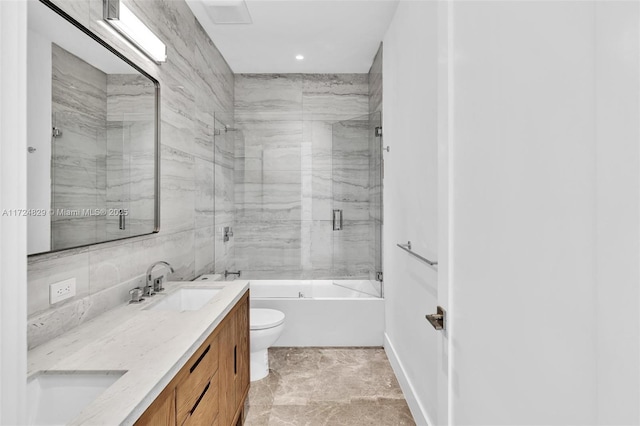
[334, 36]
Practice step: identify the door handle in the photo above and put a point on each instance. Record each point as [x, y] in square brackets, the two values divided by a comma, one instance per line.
[438, 320]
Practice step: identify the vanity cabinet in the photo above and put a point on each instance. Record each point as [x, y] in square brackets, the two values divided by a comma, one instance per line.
[162, 412]
[213, 385]
[234, 362]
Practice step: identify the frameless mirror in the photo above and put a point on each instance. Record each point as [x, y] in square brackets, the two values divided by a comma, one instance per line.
[92, 137]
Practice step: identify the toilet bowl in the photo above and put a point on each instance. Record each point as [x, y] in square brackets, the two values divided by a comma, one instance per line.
[266, 325]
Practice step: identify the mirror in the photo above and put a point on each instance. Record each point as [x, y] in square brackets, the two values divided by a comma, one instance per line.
[92, 164]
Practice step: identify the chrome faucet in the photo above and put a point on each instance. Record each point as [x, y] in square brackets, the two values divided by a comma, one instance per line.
[227, 273]
[154, 286]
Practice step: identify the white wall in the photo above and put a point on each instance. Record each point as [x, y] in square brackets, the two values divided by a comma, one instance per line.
[544, 247]
[39, 137]
[410, 202]
[618, 212]
[13, 231]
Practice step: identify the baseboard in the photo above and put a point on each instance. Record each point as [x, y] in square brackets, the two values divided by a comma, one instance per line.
[417, 410]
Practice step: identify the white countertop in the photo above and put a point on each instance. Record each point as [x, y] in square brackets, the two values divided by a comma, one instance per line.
[151, 346]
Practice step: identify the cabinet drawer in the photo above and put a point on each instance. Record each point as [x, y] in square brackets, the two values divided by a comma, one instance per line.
[205, 409]
[197, 374]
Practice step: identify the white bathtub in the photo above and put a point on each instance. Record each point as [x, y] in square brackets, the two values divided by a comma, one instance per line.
[323, 312]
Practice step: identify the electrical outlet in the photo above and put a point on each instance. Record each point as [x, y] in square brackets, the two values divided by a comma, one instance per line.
[62, 290]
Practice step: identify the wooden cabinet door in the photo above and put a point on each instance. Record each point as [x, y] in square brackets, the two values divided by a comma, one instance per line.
[234, 361]
[242, 351]
[205, 411]
[162, 412]
[227, 369]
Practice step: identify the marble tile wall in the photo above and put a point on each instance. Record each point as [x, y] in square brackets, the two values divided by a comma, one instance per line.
[196, 84]
[130, 154]
[79, 109]
[294, 163]
[225, 136]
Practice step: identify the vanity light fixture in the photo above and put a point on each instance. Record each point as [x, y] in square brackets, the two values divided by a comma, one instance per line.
[124, 21]
[299, 57]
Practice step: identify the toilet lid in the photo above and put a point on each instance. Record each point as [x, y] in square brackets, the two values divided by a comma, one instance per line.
[265, 318]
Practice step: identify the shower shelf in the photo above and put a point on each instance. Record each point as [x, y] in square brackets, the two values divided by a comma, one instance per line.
[407, 248]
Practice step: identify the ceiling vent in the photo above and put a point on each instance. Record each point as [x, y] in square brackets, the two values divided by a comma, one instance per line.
[228, 11]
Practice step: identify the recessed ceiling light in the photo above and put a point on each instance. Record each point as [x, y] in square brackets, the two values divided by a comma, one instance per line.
[299, 57]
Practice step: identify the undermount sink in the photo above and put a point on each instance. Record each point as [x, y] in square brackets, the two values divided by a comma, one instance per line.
[185, 299]
[55, 398]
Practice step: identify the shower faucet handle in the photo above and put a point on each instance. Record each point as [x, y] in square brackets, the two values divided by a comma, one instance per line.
[228, 232]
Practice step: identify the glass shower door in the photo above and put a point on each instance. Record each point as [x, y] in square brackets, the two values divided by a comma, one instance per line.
[357, 206]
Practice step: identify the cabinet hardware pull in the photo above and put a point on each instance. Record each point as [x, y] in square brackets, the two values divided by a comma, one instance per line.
[235, 359]
[193, 367]
[200, 399]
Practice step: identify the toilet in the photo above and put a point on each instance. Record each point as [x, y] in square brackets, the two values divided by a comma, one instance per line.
[266, 326]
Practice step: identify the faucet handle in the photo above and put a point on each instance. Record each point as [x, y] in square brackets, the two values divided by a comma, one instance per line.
[136, 295]
[149, 290]
[157, 284]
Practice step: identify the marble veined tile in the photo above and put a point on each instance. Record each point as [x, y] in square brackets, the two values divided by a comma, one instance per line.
[131, 97]
[194, 79]
[267, 201]
[213, 71]
[257, 415]
[83, 137]
[336, 84]
[351, 249]
[268, 96]
[177, 120]
[176, 248]
[48, 270]
[322, 195]
[54, 322]
[332, 414]
[173, 22]
[335, 97]
[321, 247]
[77, 85]
[267, 245]
[178, 190]
[225, 254]
[278, 143]
[319, 134]
[225, 140]
[73, 232]
[203, 120]
[224, 195]
[49, 324]
[204, 253]
[111, 266]
[204, 193]
[328, 386]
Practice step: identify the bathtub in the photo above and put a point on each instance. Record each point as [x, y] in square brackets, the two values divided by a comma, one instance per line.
[323, 312]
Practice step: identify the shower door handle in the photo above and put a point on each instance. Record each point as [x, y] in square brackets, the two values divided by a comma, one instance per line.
[337, 220]
[122, 220]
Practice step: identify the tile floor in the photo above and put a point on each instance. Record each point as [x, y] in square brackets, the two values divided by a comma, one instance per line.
[327, 386]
